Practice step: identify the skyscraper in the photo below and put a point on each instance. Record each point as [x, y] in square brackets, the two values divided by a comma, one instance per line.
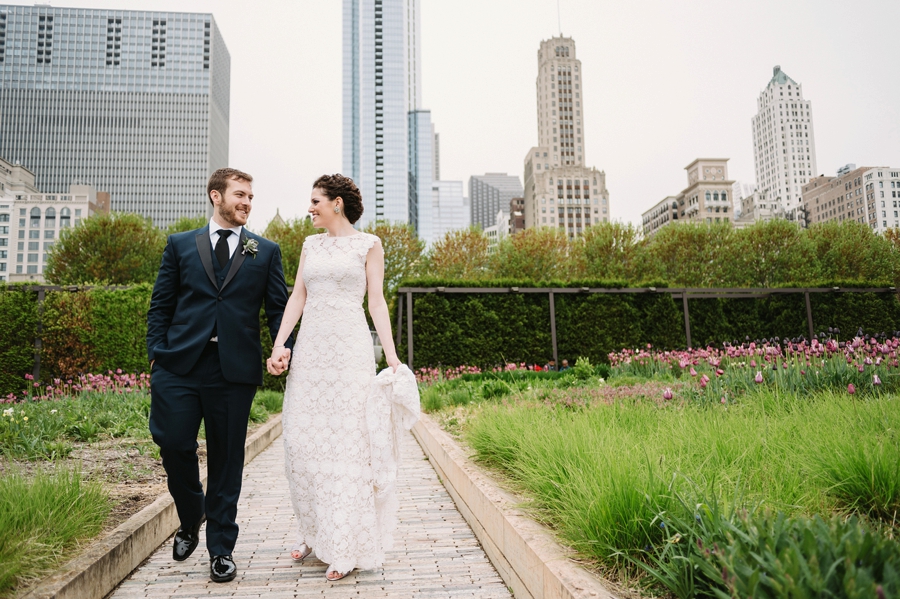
[784, 145]
[490, 193]
[383, 117]
[559, 189]
[132, 102]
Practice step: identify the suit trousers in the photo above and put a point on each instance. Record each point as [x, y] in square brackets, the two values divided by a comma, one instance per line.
[177, 405]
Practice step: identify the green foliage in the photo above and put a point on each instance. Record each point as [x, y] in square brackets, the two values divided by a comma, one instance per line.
[34, 537]
[689, 255]
[709, 551]
[48, 429]
[403, 253]
[772, 254]
[95, 330]
[113, 249]
[488, 329]
[460, 254]
[187, 223]
[612, 251]
[290, 235]
[852, 251]
[19, 315]
[536, 254]
[583, 369]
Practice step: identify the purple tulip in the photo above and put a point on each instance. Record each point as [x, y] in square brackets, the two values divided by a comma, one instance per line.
[875, 380]
[759, 377]
[851, 389]
[861, 368]
[667, 394]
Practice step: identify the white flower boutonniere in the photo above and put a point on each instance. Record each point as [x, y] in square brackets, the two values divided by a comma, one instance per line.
[251, 246]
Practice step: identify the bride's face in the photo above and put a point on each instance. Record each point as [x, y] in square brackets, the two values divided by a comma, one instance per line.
[322, 209]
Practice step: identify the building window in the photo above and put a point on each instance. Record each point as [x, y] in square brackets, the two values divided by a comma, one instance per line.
[32, 257]
[35, 218]
[64, 218]
[34, 234]
[49, 234]
[50, 218]
[32, 269]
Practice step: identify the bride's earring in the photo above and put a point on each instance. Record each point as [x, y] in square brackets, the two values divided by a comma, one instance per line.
[337, 210]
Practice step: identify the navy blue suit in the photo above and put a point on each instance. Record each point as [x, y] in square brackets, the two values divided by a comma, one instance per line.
[194, 378]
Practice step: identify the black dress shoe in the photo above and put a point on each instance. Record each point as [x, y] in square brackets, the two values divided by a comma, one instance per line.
[222, 568]
[185, 542]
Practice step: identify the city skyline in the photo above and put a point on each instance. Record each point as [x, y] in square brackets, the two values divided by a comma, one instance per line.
[667, 83]
[135, 103]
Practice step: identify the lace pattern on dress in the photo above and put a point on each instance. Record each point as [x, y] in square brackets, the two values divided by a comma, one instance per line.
[326, 428]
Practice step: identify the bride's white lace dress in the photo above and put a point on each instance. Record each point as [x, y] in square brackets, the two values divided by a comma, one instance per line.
[329, 441]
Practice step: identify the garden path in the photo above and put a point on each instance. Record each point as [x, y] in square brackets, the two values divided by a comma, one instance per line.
[435, 554]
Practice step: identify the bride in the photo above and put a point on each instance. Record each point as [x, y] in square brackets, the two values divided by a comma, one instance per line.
[326, 434]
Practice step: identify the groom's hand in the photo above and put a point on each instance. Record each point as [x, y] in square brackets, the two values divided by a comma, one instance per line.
[279, 362]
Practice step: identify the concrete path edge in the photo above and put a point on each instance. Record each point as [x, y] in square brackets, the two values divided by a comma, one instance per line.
[526, 554]
[96, 572]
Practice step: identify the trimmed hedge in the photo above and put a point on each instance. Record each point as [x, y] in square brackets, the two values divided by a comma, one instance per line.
[90, 330]
[19, 315]
[490, 329]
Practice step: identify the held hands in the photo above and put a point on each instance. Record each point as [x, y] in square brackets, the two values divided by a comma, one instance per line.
[279, 362]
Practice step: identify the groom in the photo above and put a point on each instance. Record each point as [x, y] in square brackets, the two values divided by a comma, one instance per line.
[203, 341]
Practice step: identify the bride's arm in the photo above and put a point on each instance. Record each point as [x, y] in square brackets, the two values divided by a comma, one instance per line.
[292, 312]
[377, 305]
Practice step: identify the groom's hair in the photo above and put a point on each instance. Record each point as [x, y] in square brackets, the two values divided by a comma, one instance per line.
[219, 180]
[339, 186]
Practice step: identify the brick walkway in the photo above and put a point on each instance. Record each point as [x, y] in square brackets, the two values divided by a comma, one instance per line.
[435, 555]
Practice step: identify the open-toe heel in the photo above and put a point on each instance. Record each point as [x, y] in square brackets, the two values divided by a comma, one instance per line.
[333, 575]
[300, 552]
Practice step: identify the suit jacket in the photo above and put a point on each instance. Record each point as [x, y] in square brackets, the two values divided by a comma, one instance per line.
[187, 303]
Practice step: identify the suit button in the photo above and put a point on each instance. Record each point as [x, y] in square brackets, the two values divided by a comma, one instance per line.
[220, 298]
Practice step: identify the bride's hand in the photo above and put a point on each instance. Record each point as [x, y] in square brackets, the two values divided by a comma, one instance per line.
[393, 362]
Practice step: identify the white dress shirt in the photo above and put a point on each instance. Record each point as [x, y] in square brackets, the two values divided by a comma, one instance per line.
[233, 239]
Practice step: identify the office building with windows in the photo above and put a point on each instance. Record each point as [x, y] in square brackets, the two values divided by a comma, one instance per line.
[868, 195]
[560, 190]
[31, 222]
[388, 138]
[706, 199]
[784, 143]
[132, 102]
[490, 193]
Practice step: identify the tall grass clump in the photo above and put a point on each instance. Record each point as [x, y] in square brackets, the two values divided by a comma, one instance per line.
[42, 517]
[601, 474]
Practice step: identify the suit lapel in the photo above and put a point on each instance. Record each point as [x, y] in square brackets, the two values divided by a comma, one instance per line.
[204, 248]
[236, 261]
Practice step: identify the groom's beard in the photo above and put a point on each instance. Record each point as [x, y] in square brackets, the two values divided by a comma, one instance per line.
[230, 215]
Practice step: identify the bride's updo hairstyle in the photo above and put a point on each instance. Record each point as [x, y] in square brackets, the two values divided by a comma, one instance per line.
[339, 186]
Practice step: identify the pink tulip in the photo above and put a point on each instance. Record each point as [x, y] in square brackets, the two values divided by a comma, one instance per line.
[851, 389]
[759, 377]
[723, 400]
[876, 380]
[667, 394]
[693, 372]
[861, 368]
[752, 363]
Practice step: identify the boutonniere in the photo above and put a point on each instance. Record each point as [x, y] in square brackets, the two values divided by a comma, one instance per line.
[251, 246]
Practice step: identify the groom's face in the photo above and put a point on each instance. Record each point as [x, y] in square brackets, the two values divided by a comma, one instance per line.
[234, 206]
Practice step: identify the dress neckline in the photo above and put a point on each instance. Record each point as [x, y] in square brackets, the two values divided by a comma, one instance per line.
[327, 236]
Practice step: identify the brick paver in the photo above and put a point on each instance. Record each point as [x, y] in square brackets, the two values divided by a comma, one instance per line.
[435, 554]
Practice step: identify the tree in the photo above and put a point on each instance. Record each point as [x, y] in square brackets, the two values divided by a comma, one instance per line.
[187, 223]
[536, 254]
[772, 253]
[290, 235]
[112, 249]
[851, 251]
[612, 252]
[693, 255]
[461, 254]
[402, 253]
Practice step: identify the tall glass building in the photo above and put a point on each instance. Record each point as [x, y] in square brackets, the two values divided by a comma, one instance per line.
[383, 120]
[134, 103]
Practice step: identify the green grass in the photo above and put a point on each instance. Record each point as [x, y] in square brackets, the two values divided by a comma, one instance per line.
[48, 429]
[42, 517]
[602, 474]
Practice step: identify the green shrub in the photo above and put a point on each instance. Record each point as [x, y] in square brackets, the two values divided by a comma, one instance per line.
[488, 329]
[19, 315]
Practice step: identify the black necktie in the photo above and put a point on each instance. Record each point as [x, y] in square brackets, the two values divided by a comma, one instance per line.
[222, 252]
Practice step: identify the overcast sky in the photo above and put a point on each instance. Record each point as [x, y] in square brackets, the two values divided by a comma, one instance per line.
[664, 83]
